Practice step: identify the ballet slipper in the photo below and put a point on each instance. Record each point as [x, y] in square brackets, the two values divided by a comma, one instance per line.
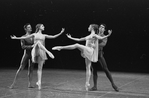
[39, 85]
[57, 48]
[51, 55]
[87, 86]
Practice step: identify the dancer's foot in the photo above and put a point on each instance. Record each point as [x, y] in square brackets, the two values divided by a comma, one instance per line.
[93, 89]
[57, 48]
[51, 55]
[87, 86]
[39, 85]
[115, 88]
[11, 86]
[30, 86]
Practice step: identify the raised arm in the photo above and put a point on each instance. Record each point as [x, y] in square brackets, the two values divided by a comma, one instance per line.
[23, 37]
[76, 39]
[105, 36]
[54, 36]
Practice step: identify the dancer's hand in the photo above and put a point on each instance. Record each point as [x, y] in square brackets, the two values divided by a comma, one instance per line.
[68, 35]
[109, 31]
[13, 37]
[63, 29]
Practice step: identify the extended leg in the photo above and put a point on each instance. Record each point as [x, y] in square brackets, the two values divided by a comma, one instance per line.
[108, 74]
[74, 46]
[69, 47]
[22, 65]
[47, 51]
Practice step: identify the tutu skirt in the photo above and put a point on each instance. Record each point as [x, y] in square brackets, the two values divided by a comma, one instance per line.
[38, 54]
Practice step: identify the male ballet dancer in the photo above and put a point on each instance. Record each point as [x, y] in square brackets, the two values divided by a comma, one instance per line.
[26, 44]
[102, 61]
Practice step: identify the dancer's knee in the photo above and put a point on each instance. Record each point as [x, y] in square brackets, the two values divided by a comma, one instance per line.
[104, 67]
[88, 71]
[76, 45]
[39, 68]
[40, 65]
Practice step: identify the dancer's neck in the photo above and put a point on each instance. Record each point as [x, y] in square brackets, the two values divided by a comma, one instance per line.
[39, 31]
[92, 32]
[28, 33]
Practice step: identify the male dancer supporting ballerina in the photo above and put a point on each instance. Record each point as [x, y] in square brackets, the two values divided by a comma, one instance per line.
[102, 61]
[89, 51]
[27, 46]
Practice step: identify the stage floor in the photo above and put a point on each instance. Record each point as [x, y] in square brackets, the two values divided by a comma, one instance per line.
[70, 84]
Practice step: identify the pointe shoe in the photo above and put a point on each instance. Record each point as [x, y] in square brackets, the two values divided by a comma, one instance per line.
[51, 55]
[39, 85]
[56, 48]
[87, 86]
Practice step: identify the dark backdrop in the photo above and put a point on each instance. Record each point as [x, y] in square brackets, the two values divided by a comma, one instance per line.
[127, 47]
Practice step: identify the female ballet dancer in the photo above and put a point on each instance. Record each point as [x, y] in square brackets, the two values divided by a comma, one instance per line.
[88, 51]
[39, 51]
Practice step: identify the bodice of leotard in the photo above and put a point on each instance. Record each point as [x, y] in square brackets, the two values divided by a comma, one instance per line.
[91, 42]
[39, 37]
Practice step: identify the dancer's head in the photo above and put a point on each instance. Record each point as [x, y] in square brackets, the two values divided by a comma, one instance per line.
[28, 28]
[93, 27]
[102, 29]
[39, 27]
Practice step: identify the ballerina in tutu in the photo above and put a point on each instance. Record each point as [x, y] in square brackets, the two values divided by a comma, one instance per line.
[39, 51]
[88, 51]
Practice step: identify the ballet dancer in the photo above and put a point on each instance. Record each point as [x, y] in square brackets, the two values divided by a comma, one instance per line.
[39, 51]
[26, 44]
[87, 51]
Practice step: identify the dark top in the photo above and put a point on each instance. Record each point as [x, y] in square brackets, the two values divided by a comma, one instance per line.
[26, 44]
[102, 43]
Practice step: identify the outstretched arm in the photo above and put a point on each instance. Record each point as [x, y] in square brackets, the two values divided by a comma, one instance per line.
[54, 36]
[23, 37]
[105, 36]
[76, 39]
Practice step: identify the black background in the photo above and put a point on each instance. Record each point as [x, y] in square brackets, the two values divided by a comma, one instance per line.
[127, 47]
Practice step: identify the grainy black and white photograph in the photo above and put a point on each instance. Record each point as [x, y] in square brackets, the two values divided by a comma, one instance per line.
[74, 49]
